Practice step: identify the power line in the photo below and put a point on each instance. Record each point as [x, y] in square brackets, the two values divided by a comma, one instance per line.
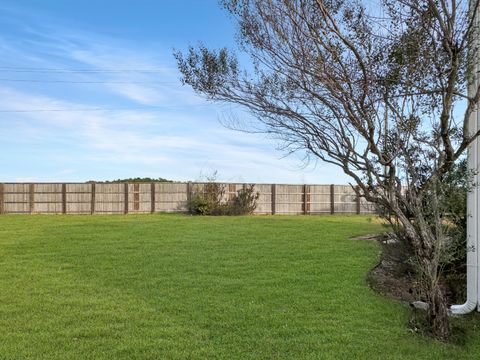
[59, 71]
[90, 82]
[105, 109]
[66, 70]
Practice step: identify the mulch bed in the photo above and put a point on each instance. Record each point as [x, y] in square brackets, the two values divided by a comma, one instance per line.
[390, 277]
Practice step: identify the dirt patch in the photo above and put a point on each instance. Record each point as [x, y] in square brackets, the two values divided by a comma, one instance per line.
[394, 287]
[392, 277]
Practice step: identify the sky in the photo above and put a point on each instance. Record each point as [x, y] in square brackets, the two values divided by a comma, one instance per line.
[89, 90]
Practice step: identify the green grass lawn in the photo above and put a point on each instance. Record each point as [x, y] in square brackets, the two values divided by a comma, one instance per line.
[181, 287]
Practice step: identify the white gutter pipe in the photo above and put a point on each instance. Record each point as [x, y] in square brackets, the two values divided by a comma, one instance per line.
[473, 219]
[472, 238]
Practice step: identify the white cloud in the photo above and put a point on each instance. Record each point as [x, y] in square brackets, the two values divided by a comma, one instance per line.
[180, 141]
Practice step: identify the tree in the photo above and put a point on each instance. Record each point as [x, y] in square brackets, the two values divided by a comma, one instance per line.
[375, 88]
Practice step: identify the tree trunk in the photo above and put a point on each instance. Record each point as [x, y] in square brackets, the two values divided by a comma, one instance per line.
[428, 247]
[437, 314]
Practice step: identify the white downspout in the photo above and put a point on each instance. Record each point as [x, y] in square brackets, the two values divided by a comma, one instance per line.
[476, 190]
[473, 285]
[472, 240]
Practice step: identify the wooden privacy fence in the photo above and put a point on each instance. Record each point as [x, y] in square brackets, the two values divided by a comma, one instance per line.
[124, 198]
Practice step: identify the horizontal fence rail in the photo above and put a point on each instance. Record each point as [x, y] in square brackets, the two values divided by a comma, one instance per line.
[126, 198]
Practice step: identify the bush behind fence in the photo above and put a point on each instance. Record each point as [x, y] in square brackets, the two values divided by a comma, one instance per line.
[125, 198]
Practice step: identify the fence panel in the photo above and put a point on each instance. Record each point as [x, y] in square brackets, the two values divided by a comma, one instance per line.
[79, 198]
[264, 202]
[48, 199]
[320, 199]
[171, 197]
[139, 198]
[345, 199]
[289, 199]
[121, 198]
[110, 198]
[367, 207]
[16, 198]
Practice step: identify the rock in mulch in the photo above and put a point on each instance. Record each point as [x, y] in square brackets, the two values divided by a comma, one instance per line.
[370, 237]
[420, 305]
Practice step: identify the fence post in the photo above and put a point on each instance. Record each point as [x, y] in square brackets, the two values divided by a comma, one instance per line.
[152, 198]
[64, 198]
[332, 199]
[31, 198]
[357, 191]
[125, 191]
[274, 196]
[92, 199]
[2, 199]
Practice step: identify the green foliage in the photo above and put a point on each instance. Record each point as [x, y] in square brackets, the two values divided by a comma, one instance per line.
[214, 67]
[199, 205]
[132, 180]
[455, 188]
[245, 202]
[450, 193]
[209, 199]
[456, 184]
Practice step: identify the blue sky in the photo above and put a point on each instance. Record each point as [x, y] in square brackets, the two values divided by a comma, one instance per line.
[89, 90]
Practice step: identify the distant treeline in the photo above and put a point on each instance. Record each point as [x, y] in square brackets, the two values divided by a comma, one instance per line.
[131, 180]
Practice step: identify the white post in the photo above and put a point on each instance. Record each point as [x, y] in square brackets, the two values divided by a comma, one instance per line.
[473, 205]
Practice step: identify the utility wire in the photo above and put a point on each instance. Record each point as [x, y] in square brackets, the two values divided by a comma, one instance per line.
[90, 82]
[84, 71]
[105, 109]
[41, 70]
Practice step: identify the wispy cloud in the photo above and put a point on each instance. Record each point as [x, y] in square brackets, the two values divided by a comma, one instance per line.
[150, 125]
[134, 137]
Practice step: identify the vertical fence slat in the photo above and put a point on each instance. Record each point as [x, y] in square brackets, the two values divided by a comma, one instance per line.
[125, 190]
[92, 199]
[136, 197]
[152, 198]
[31, 198]
[304, 197]
[357, 199]
[189, 194]
[64, 198]
[307, 202]
[274, 195]
[332, 199]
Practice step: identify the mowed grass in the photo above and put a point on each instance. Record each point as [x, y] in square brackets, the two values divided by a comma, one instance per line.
[181, 287]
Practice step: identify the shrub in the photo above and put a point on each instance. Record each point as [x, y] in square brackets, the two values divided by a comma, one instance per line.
[207, 200]
[245, 202]
[199, 205]
[210, 200]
